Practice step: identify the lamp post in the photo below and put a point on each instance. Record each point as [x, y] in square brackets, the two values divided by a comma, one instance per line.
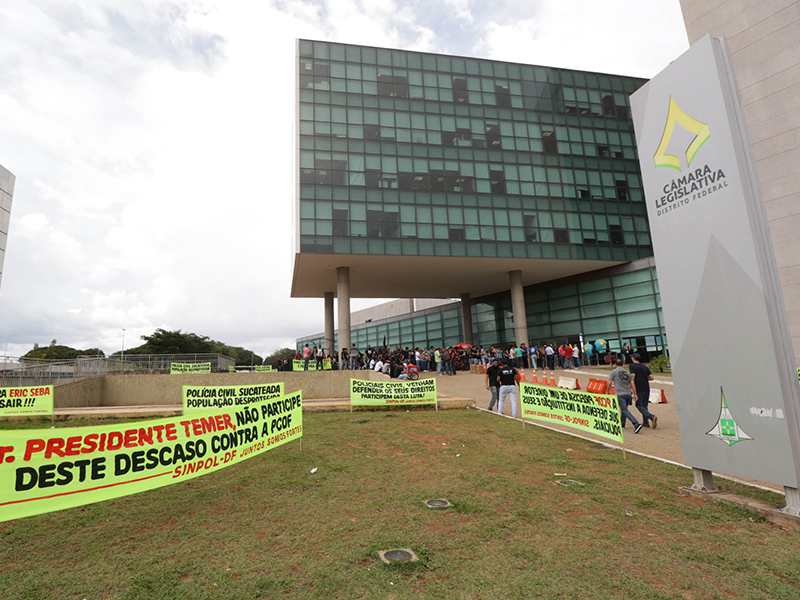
[122, 356]
[5, 353]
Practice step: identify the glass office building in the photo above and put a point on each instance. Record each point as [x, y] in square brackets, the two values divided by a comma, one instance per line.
[437, 176]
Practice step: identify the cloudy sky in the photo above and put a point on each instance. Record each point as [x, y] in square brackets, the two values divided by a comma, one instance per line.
[152, 142]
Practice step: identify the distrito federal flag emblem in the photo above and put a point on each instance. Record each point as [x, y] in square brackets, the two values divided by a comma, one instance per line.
[726, 428]
[698, 128]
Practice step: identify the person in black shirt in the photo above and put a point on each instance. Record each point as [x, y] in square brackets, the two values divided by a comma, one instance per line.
[507, 378]
[641, 390]
[492, 383]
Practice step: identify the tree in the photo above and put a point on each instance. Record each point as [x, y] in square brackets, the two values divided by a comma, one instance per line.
[58, 352]
[162, 341]
[281, 354]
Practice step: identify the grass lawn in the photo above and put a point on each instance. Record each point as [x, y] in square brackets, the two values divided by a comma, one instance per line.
[268, 528]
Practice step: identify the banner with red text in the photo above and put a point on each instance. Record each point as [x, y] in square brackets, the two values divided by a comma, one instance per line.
[52, 469]
[591, 413]
[26, 401]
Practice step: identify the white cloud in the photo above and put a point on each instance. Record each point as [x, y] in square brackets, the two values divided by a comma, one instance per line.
[615, 36]
[461, 9]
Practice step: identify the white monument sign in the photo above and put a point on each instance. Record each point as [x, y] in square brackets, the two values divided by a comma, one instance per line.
[734, 367]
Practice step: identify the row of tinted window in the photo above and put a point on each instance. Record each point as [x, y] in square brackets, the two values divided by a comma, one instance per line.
[465, 66]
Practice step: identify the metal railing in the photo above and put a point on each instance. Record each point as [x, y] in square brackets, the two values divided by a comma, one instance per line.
[34, 371]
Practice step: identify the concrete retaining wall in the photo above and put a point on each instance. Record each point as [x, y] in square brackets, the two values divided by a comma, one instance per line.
[160, 390]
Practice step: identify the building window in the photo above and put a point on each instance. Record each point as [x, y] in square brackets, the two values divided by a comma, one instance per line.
[561, 236]
[340, 222]
[623, 192]
[549, 144]
[497, 180]
[616, 235]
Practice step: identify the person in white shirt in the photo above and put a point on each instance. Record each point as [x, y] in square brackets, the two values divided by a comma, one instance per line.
[379, 366]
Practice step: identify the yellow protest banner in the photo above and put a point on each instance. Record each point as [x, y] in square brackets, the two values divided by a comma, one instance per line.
[179, 368]
[26, 401]
[392, 393]
[231, 369]
[215, 397]
[591, 413]
[52, 469]
[299, 365]
[264, 368]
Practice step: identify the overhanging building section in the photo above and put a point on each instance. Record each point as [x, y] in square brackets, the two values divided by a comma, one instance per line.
[422, 175]
[426, 276]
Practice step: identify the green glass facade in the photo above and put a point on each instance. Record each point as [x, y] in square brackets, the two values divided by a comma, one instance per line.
[438, 327]
[621, 306]
[406, 153]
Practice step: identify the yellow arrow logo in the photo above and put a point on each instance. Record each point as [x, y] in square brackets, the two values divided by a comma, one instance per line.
[698, 128]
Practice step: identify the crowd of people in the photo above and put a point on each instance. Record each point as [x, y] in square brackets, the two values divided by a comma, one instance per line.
[392, 361]
[632, 385]
[442, 360]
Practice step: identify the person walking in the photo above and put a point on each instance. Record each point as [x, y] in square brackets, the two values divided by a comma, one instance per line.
[576, 356]
[345, 358]
[306, 357]
[354, 366]
[641, 389]
[493, 383]
[507, 379]
[621, 380]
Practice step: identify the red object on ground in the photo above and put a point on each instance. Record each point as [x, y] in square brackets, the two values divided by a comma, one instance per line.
[597, 386]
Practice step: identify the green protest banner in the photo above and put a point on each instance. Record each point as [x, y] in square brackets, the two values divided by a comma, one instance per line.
[26, 401]
[206, 398]
[299, 365]
[265, 368]
[179, 368]
[231, 369]
[46, 470]
[392, 393]
[591, 413]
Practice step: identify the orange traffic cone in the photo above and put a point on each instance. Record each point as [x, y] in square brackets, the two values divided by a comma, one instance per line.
[533, 377]
[522, 374]
[577, 384]
[552, 379]
[611, 391]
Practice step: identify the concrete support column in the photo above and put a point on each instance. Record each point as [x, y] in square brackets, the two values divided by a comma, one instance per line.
[329, 329]
[518, 307]
[703, 480]
[792, 500]
[466, 318]
[343, 301]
